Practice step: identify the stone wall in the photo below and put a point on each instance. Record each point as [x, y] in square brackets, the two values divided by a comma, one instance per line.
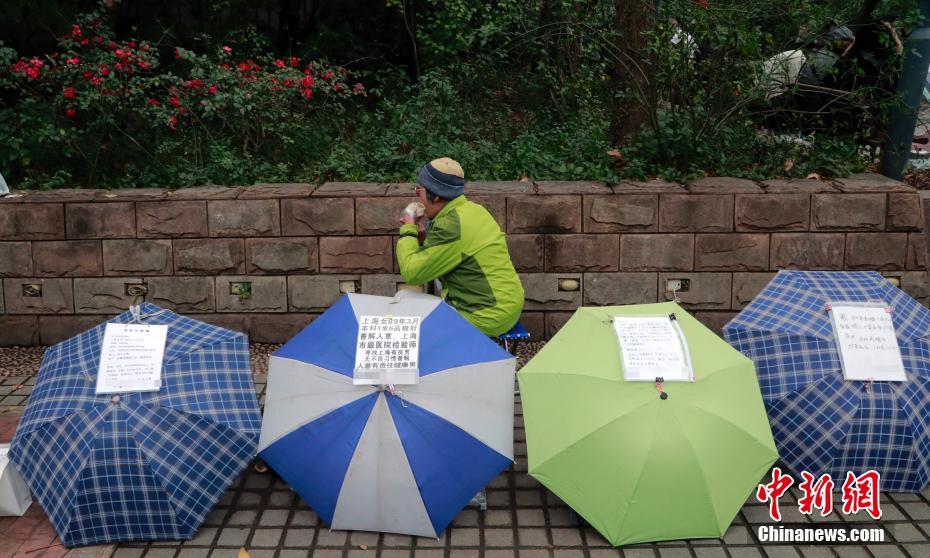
[268, 258]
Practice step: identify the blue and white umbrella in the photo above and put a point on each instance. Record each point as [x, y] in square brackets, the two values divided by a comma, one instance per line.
[821, 422]
[142, 465]
[373, 459]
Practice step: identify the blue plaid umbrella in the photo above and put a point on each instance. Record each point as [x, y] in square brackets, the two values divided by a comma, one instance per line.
[821, 422]
[140, 466]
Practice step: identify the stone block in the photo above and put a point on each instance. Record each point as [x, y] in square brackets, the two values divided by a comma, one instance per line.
[267, 294]
[98, 295]
[204, 193]
[182, 294]
[55, 329]
[15, 259]
[174, 219]
[137, 257]
[68, 258]
[315, 293]
[282, 255]
[237, 218]
[648, 187]
[234, 322]
[498, 188]
[40, 221]
[723, 185]
[535, 324]
[57, 296]
[58, 195]
[365, 254]
[915, 284]
[382, 284]
[554, 187]
[543, 291]
[731, 252]
[773, 212]
[611, 289]
[708, 291]
[130, 194]
[656, 252]
[575, 253]
[350, 189]
[904, 212]
[871, 182]
[799, 186]
[621, 213]
[695, 213]
[544, 214]
[747, 285]
[496, 206]
[403, 190]
[378, 215]
[202, 256]
[555, 321]
[807, 251]
[101, 220]
[916, 251]
[848, 212]
[527, 252]
[878, 251]
[277, 328]
[276, 191]
[715, 321]
[19, 331]
[313, 216]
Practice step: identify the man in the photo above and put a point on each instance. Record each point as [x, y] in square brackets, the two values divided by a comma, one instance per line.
[464, 248]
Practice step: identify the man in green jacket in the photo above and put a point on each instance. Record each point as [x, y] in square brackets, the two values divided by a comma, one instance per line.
[464, 248]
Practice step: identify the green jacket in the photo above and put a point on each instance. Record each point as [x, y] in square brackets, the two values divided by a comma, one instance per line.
[466, 250]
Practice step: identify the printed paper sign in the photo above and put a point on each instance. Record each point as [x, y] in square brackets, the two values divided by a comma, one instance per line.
[652, 347]
[867, 343]
[131, 358]
[387, 350]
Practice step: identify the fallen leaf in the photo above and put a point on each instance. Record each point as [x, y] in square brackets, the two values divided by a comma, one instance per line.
[363, 546]
[789, 164]
[814, 176]
[615, 153]
[243, 553]
[524, 178]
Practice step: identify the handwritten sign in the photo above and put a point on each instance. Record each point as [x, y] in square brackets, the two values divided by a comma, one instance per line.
[387, 350]
[866, 340]
[652, 347]
[131, 358]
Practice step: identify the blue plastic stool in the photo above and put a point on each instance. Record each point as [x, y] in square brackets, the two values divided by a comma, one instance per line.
[516, 334]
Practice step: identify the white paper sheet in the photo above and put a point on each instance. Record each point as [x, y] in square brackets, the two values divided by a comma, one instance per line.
[387, 350]
[866, 340]
[652, 347]
[131, 358]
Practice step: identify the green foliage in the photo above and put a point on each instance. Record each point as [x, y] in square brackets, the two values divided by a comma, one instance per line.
[510, 89]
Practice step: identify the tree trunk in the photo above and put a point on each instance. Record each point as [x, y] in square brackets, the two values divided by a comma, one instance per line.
[633, 19]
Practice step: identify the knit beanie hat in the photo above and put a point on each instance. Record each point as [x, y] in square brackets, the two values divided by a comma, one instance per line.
[443, 177]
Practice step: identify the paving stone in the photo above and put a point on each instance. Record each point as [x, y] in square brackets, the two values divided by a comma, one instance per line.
[124, 552]
[918, 511]
[499, 517]
[674, 552]
[740, 552]
[781, 552]
[161, 552]
[465, 536]
[428, 553]
[204, 537]
[709, 552]
[358, 538]
[294, 553]
[328, 537]
[885, 551]
[737, 534]
[466, 518]
[498, 537]
[266, 537]
[242, 517]
[304, 537]
[566, 537]
[532, 537]
[303, 518]
[430, 542]
[232, 536]
[274, 518]
[905, 532]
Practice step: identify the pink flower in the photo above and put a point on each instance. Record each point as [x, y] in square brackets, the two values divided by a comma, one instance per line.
[153, 102]
[279, 63]
[70, 112]
[295, 61]
[75, 31]
[73, 61]
[227, 49]
[307, 81]
[173, 122]
[68, 92]
[213, 89]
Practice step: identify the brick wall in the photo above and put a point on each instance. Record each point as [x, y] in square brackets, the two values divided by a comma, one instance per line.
[297, 243]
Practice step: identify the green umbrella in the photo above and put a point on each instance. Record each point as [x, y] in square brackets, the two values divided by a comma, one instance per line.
[638, 467]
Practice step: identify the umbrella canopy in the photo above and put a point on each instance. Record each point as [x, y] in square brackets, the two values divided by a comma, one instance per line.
[368, 459]
[140, 466]
[637, 467]
[822, 423]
